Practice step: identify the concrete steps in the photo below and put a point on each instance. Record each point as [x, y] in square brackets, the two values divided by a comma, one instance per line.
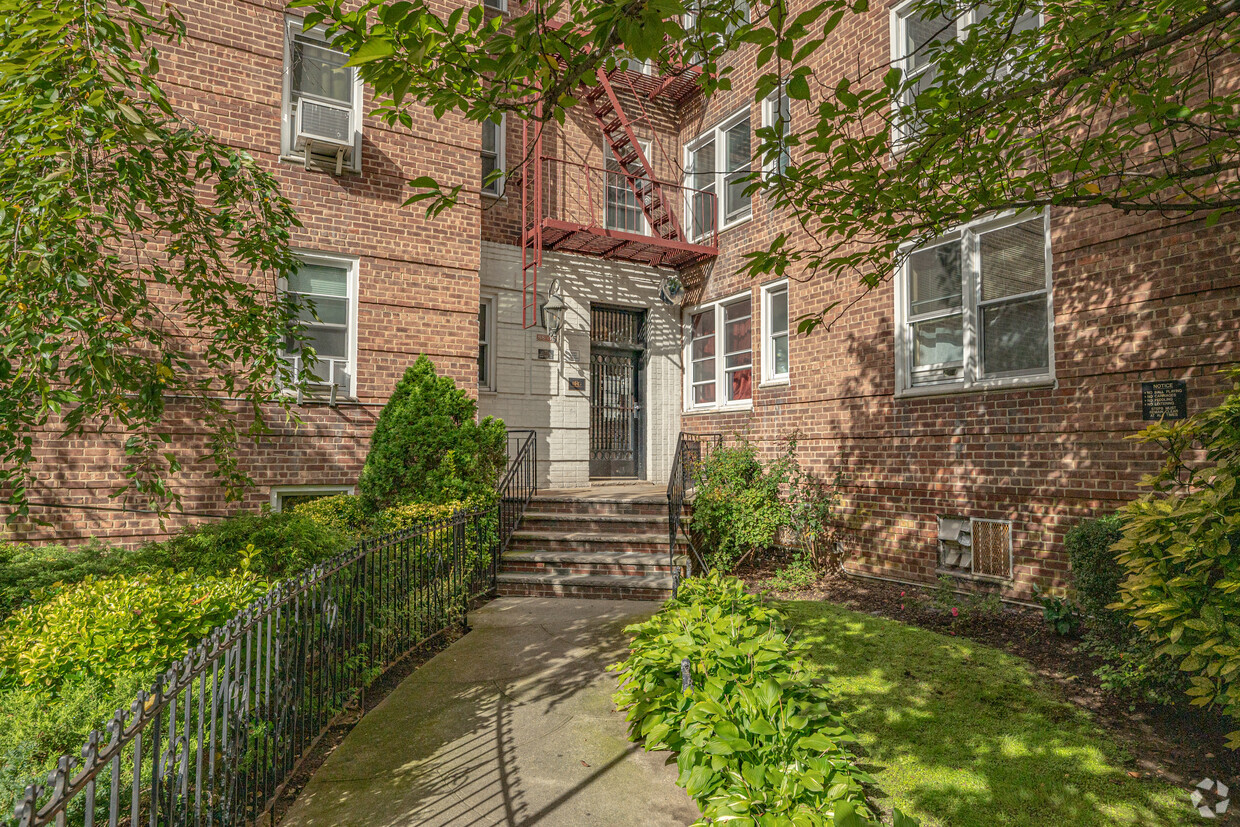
[591, 547]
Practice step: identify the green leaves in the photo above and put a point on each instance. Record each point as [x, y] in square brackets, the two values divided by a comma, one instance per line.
[88, 629]
[1180, 553]
[428, 444]
[758, 743]
[115, 218]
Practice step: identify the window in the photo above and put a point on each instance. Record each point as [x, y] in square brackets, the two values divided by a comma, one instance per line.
[496, 5]
[738, 16]
[631, 64]
[974, 308]
[327, 286]
[775, 332]
[486, 341]
[720, 354]
[777, 115]
[493, 157]
[916, 37]
[321, 122]
[717, 164]
[285, 497]
[623, 212]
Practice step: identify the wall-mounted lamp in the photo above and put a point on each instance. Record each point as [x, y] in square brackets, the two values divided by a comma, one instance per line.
[552, 310]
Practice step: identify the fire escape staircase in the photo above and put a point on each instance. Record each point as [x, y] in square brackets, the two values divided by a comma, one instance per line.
[667, 244]
[625, 148]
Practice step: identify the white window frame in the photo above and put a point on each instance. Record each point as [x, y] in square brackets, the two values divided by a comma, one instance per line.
[496, 188]
[769, 376]
[489, 341]
[970, 379]
[770, 113]
[495, 5]
[899, 15]
[278, 492]
[721, 402]
[350, 263]
[293, 27]
[719, 134]
[611, 159]
[689, 19]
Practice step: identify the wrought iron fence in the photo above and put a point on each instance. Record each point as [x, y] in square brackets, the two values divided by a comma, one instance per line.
[221, 731]
[519, 484]
[691, 449]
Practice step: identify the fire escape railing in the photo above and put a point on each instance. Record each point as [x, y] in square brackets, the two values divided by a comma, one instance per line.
[691, 449]
[578, 196]
[682, 226]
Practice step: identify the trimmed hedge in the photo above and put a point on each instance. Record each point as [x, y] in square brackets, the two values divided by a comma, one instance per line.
[1095, 571]
[428, 445]
[756, 738]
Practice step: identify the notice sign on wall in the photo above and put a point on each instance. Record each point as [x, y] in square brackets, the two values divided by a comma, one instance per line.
[1164, 400]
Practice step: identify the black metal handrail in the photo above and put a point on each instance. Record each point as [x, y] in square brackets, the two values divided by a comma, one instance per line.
[690, 450]
[519, 484]
[222, 730]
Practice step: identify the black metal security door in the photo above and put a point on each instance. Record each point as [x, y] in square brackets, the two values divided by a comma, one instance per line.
[617, 345]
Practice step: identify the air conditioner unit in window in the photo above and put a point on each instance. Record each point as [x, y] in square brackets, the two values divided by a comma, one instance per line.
[325, 128]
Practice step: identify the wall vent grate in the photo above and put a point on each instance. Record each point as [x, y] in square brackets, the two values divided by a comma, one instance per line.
[992, 548]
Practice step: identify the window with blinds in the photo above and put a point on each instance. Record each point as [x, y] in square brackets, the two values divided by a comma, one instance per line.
[975, 308]
[322, 342]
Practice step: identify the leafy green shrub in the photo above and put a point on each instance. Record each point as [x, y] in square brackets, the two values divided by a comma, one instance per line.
[116, 624]
[737, 509]
[36, 730]
[346, 513]
[288, 543]
[756, 739]
[26, 569]
[1132, 670]
[427, 446]
[799, 573]
[1095, 571]
[1181, 553]
[1060, 614]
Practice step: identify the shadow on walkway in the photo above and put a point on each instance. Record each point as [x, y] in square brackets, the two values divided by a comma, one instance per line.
[511, 725]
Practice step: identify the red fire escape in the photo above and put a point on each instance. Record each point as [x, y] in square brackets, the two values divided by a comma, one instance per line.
[571, 207]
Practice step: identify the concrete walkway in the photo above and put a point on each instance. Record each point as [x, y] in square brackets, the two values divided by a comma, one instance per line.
[511, 725]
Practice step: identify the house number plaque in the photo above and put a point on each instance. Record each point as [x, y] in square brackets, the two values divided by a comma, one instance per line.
[1164, 400]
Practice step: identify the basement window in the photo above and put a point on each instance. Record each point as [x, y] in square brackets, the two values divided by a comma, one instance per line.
[975, 547]
[284, 497]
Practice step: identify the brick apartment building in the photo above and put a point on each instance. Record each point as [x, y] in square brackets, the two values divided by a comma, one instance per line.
[979, 404]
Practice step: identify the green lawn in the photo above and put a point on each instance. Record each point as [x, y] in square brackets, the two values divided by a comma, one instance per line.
[961, 734]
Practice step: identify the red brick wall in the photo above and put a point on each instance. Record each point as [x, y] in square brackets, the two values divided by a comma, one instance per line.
[418, 278]
[1135, 299]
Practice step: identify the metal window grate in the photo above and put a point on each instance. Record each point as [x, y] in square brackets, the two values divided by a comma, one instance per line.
[992, 548]
[618, 326]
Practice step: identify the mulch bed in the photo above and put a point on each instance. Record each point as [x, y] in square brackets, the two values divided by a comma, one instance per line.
[1182, 744]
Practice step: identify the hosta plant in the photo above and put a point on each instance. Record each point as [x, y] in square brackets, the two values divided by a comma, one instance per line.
[756, 737]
